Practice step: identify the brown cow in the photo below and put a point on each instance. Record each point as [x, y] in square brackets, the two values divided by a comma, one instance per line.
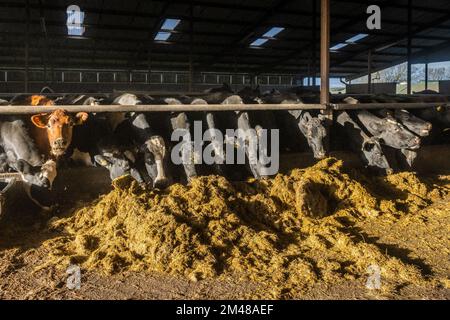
[53, 131]
[38, 100]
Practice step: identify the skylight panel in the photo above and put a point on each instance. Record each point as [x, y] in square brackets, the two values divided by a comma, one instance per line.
[170, 24]
[165, 32]
[269, 35]
[258, 42]
[273, 32]
[357, 38]
[339, 46]
[347, 42]
[162, 36]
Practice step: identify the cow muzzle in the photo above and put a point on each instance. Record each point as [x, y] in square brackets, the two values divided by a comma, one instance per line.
[59, 147]
[157, 148]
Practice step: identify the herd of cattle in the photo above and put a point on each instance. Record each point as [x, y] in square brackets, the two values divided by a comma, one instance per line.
[138, 144]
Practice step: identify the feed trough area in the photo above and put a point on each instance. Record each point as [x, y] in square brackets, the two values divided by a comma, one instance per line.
[268, 150]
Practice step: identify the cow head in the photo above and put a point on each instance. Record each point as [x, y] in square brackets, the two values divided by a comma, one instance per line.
[41, 177]
[157, 148]
[374, 155]
[313, 128]
[59, 125]
[120, 164]
[394, 134]
[117, 164]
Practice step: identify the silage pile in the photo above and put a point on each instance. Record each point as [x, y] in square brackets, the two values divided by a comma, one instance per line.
[286, 233]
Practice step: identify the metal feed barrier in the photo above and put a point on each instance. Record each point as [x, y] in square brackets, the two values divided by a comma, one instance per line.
[8, 110]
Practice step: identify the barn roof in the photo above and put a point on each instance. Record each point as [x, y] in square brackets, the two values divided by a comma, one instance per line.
[217, 34]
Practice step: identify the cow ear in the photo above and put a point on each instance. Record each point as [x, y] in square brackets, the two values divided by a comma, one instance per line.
[130, 156]
[307, 116]
[40, 120]
[81, 118]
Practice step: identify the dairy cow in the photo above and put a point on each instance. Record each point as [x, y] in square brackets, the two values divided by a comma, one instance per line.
[416, 125]
[389, 131]
[367, 147]
[312, 125]
[84, 100]
[96, 143]
[19, 153]
[182, 124]
[217, 95]
[140, 129]
[33, 100]
[53, 131]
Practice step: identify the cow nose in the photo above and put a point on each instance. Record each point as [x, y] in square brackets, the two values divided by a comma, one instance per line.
[59, 143]
[161, 183]
[321, 154]
[46, 184]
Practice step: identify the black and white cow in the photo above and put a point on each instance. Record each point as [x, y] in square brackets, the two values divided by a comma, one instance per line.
[312, 125]
[439, 115]
[250, 95]
[121, 143]
[305, 124]
[390, 132]
[20, 154]
[148, 134]
[368, 147]
[84, 100]
[217, 95]
[181, 123]
[414, 124]
[96, 142]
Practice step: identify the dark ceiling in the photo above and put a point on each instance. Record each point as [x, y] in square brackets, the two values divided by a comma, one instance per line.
[119, 34]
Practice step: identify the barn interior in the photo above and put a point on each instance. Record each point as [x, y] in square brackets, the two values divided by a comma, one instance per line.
[182, 49]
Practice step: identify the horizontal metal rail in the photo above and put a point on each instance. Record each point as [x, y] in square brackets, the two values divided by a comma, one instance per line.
[215, 107]
[396, 105]
[158, 108]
